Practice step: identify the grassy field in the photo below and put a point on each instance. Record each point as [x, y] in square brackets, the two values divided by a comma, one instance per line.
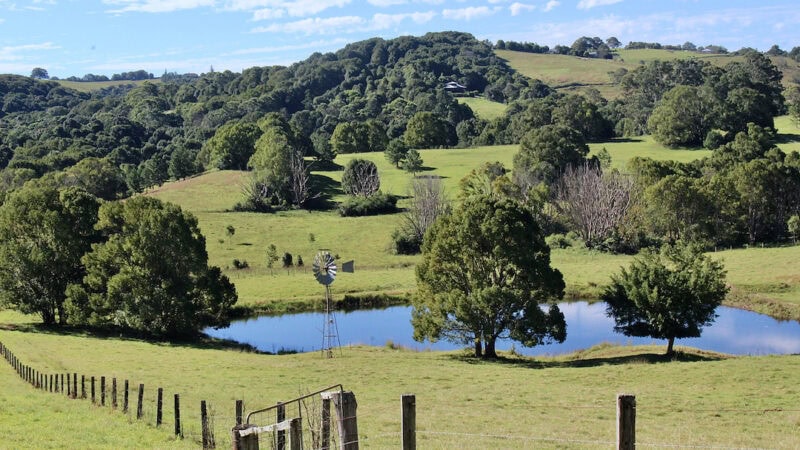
[570, 73]
[547, 402]
[764, 279]
[365, 240]
[483, 108]
[89, 86]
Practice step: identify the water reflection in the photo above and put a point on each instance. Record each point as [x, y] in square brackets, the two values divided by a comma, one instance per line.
[735, 331]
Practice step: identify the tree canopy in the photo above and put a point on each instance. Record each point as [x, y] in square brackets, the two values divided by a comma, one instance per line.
[151, 274]
[484, 273]
[44, 233]
[669, 295]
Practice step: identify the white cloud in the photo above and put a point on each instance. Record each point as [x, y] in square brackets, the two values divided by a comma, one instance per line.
[386, 3]
[589, 4]
[268, 14]
[518, 8]
[13, 53]
[385, 21]
[469, 13]
[156, 6]
[316, 25]
[551, 5]
[275, 9]
[316, 45]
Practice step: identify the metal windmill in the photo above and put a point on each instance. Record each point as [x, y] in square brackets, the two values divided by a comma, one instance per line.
[324, 269]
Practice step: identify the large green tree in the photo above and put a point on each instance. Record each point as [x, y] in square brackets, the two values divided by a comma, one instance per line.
[231, 146]
[43, 235]
[427, 130]
[484, 273]
[684, 116]
[668, 295]
[151, 274]
[546, 152]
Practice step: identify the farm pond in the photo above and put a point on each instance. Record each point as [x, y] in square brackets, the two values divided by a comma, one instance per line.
[734, 331]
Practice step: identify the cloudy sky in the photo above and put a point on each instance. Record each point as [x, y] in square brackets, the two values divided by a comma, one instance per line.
[75, 37]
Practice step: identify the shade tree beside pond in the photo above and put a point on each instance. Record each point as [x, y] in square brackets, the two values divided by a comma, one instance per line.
[666, 295]
[484, 273]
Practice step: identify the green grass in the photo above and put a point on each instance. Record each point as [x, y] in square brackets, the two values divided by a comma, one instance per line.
[34, 419]
[366, 240]
[483, 108]
[699, 400]
[623, 150]
[90, 86]
[567, 73]
[570, 73]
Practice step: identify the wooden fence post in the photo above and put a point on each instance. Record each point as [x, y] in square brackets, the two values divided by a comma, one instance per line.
[326, 423]
[408, 421]
[239, 411]
[51, 382]
[83, 386]
[125, 398]
[139, 403]
[626, 422]
[178, 415]
[69, 387]
[158, 406]
[281, 410]
[346, 419]
[208, 436]
[114, 393]
[102, 391]
[93, 396]
[296, 434]
[249, 442]
[75, 385]
[62, 383]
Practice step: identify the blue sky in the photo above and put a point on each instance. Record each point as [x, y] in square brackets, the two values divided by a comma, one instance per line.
[75, 37]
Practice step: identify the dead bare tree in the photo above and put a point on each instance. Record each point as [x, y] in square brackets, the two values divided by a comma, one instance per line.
[595, 203]
[428, 201]
[300, 177]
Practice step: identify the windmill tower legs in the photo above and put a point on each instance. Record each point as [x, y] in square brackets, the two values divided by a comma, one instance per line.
[330, 331]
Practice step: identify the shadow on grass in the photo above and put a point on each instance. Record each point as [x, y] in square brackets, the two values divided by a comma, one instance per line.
[640, 355]
[198, 341]
[326, 188]
[787, 138]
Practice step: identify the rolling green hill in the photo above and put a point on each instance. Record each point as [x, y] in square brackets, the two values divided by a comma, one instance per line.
[571, 73]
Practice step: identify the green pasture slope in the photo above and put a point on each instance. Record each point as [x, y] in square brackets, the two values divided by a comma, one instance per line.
[567, 401]
[90, 86]
[571, 73]
[761, 277]
[484, 108]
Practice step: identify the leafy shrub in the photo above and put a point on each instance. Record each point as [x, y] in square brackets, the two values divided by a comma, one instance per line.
[558, 240]
[287, 259]
[714, 140]
[378, 203]
[243, 264]
[405, 243]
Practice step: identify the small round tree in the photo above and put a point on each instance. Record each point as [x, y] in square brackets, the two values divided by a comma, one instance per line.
[667, 295]
[361, 178]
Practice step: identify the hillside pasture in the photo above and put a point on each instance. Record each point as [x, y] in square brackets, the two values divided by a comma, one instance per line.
[571, 73]
[484, 108]
[367, 240]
